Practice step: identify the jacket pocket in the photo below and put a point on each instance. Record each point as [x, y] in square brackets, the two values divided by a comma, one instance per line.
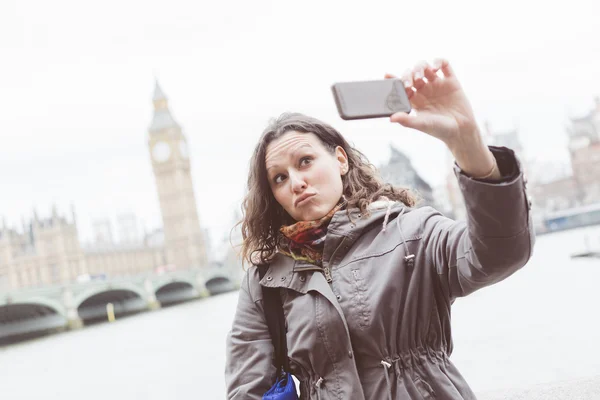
[359, 300]
[424, 388]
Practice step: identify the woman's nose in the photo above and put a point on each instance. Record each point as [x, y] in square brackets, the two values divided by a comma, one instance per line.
[298, 182]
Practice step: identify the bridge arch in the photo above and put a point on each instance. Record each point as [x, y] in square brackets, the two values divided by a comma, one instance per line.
[219, 284]
[81, 298]
[125, 299]
[53, 305]
[32, 316]
[175, 291]
[178, 280]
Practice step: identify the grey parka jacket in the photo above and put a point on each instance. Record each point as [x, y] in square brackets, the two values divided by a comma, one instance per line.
[375, 324]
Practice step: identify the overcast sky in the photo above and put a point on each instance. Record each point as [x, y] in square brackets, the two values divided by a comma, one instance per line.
[77, 77]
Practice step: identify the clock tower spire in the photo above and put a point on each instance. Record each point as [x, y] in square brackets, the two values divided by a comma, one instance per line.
[184, 242]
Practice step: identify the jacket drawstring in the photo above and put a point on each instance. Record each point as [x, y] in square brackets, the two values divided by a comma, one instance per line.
[387, 215]
[318, 385]
[386, 366]
[409, 258]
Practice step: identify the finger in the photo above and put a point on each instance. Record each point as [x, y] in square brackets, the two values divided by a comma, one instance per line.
[409, 120]
[430, 74]
[390, 76]
[443, 65]
[401, 118]
[418, 75]
[408, 83]
[407, 78]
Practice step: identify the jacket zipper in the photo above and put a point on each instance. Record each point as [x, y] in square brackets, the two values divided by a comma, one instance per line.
[326, 270]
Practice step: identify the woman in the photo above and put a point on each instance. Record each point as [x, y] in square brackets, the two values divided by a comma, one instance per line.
[366, 280]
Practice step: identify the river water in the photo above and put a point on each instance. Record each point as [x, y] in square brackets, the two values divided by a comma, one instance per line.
[540, 325]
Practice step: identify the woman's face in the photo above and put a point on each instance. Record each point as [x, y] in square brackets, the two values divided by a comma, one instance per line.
[304, 177]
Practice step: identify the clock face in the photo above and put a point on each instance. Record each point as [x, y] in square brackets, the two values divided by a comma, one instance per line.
[161, 152]
[183, 149]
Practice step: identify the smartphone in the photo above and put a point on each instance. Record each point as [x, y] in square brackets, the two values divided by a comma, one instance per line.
[370, 99]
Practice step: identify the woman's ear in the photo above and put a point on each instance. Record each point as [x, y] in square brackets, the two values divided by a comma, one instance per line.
[342, 159]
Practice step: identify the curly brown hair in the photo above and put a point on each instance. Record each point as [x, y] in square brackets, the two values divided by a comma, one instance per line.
[263, 215]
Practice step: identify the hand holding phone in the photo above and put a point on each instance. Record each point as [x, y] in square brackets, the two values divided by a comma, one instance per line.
[441, 107]
[370, 99]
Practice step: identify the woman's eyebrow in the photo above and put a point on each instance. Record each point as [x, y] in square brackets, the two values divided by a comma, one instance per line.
[292, 154]
[300, 148]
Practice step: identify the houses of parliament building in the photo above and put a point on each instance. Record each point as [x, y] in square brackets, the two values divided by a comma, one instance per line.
[48, 252]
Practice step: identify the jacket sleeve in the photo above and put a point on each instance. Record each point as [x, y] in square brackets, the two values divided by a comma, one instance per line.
[249, 371]
[496, 239]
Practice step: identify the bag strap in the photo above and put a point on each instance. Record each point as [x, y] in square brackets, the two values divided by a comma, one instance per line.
[275, 322]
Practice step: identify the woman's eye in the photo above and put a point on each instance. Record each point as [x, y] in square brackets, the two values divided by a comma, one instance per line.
[307, 159]
[277, 178]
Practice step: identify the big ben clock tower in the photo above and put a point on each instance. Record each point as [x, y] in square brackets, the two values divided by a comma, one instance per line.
[171, 164]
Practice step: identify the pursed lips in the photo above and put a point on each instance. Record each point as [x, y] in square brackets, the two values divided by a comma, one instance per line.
[303, 198]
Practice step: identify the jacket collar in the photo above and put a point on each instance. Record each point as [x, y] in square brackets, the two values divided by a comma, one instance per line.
[342, 233]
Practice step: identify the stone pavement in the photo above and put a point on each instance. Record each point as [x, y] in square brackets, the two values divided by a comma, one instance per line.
[584, 389]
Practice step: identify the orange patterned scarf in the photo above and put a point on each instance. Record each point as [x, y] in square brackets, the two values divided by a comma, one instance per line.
[306, 239]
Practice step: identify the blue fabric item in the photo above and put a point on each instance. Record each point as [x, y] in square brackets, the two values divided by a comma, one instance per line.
[283, 389]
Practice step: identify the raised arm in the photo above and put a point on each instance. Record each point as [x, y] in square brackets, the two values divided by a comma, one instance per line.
[497, 237]
[495, 240]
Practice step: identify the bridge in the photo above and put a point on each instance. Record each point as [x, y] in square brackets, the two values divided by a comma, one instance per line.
[71, 306]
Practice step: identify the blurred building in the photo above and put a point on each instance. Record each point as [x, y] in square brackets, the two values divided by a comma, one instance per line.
[43, 252]
[454, 195]
[400, 172]
[48, 252]
[155, 238]
[556, 188]
[552, 187]
[584, 149]
[123, 259]
[102, 229]
[442, 200]
[127, 224]
[554, 195]
[227, 254]
[184, 242]
[509, 138]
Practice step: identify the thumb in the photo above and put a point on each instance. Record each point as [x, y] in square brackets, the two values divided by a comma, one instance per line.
[409, 120]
